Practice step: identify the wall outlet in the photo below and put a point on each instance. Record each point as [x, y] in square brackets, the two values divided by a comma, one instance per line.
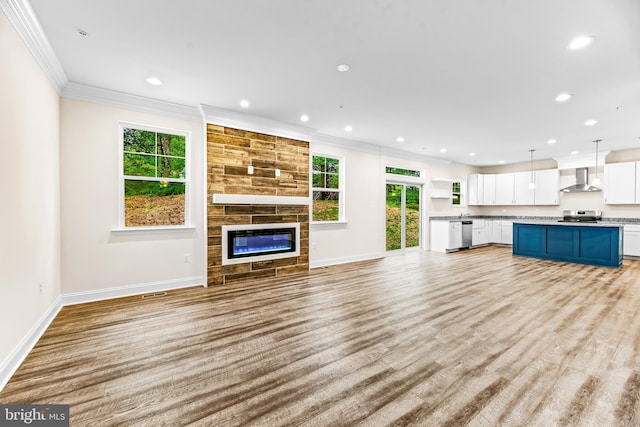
[40, 287]
[187, 258]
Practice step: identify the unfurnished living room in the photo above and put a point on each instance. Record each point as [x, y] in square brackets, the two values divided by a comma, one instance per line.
[316, 213]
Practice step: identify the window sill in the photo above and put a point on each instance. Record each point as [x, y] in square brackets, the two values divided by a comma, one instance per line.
[151, 230]
[321, 223]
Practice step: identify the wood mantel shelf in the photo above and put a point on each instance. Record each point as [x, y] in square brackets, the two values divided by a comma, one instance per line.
[254, 199]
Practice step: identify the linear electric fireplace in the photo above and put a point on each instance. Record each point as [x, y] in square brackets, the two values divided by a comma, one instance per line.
[259, 242]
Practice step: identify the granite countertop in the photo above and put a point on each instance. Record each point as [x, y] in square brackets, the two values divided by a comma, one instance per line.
[568, 224]
[605, 222]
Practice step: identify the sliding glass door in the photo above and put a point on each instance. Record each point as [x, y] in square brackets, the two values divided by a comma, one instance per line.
[403, 216]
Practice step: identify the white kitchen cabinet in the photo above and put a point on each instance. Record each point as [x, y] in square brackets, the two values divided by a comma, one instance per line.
[504, 189]
[620, 183]
[513, 188]
[547, 190]
[475, 189]
[507, 233]
[480, 232]
[489, 190]
[522, 194]
[445, 235]
[631, 240]
[495, 231]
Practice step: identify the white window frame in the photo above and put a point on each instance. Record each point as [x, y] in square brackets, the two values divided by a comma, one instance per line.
[463, 199]
[122, 177]
[340, 190]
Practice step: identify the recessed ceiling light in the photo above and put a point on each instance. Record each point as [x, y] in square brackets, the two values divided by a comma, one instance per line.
[443, 150]
[344, 68]
[563, 97]
[244, 103]
[551, 141]
[590, 122]
[348, 128]
[501, 162]
[580, 42]
[304, 118]
[574, 152]
[472, 154]
[153, 81]
[399, 139]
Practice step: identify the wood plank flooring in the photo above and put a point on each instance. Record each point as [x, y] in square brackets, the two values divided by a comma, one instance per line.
[476, 338]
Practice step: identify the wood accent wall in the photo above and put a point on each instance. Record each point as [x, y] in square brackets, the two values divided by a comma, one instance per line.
[229, 153]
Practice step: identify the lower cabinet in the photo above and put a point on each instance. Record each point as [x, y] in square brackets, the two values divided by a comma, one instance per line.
[579, 244]
[480, 234]
[632, 240]
[506, 235]
[495, 231]
[500, 232]
[445, 235]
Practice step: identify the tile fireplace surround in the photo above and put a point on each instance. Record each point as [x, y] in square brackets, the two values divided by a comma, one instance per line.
[238, 197]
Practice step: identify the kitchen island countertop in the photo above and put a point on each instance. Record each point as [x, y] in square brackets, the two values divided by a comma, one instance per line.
[568, 223]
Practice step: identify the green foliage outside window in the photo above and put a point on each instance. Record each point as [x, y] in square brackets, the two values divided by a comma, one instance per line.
[404, 172]
[456, 194]
[154, 173]
[326, 188]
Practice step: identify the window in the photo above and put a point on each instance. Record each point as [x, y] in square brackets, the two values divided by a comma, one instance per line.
[456, 193]
[400, 171]
[154, 177]
[327, 189]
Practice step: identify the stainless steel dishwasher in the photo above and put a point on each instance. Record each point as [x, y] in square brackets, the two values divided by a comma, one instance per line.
[467, 233]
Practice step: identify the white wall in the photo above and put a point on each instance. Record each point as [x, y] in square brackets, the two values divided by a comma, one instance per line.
[94, 258]
[363, 235]
[29, 194]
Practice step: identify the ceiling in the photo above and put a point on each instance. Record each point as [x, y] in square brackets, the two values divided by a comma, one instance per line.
[468, 75]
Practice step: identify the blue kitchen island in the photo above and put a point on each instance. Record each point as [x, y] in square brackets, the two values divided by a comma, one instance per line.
[593, 243]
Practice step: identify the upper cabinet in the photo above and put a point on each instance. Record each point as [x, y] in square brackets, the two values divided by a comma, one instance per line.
[504, 189]
[513, 188]
[547, 190]
[475, 189]
[489, 190]
[523, 195]
[620, 184]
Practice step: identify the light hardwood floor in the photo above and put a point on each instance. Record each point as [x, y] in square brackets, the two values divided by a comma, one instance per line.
[476, 338]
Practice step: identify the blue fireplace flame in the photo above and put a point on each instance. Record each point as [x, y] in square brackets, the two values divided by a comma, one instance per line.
[246, 243]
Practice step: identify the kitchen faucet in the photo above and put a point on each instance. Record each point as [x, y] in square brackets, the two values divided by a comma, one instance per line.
[463, 214]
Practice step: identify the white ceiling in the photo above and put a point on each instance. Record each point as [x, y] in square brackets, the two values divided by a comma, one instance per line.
[466, 75]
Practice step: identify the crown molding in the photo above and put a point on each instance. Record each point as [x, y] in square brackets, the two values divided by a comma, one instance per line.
[128, 101]
[23, 19]
[244, 121]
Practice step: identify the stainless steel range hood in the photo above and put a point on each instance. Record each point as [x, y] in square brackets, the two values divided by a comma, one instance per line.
[581, 185]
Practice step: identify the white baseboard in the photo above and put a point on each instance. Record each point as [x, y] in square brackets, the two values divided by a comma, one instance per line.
[344, 260]
[127, 291]
[11, 364]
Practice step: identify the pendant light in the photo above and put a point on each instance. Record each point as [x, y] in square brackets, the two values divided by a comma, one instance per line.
[596, 180]
[532, 183]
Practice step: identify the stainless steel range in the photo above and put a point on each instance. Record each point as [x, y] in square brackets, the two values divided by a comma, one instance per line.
[581, 216]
